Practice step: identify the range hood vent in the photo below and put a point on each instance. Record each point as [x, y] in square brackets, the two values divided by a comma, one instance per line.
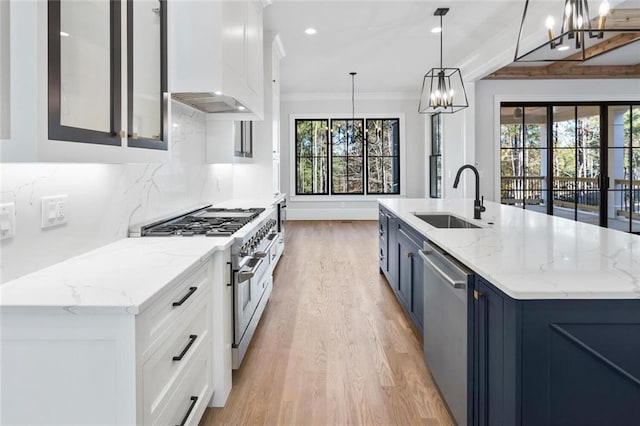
[210, 102]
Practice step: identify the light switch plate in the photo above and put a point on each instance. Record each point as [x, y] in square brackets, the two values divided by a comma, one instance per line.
[55, 210]
[7, 220]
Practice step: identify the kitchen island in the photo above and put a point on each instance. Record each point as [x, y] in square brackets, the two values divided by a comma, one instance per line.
[553, 315]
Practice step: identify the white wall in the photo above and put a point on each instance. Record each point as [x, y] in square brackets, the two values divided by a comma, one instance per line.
[105, 199]
[413, 161]
[489, 94]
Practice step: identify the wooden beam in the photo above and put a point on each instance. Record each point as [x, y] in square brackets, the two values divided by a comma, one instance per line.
[601, 48]
[572, 68]
[573, 71]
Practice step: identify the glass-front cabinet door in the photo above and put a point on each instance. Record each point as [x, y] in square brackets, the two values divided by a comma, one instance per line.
[146, 49]
[84, 47]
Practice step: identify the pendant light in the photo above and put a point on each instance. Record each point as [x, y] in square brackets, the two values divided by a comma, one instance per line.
[566, 30]
[442, 88]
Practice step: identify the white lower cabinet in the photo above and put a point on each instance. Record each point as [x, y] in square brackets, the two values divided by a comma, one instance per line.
[108, 367]
[169, 364]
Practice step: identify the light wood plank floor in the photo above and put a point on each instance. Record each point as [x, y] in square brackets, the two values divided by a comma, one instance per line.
[333, 346]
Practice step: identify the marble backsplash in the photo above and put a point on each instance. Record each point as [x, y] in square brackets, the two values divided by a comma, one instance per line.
[104, 199]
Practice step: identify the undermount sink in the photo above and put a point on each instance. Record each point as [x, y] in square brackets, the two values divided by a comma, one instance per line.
[445, 221]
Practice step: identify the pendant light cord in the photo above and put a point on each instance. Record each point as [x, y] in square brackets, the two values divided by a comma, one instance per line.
[353, 98]
[441, 31]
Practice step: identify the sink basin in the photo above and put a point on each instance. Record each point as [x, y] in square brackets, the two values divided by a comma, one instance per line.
[445, 221]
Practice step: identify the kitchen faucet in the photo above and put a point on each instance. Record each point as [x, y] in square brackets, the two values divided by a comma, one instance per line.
[478, 204]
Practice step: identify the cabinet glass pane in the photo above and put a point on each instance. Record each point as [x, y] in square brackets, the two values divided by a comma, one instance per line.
[147, 65]
[85, 64]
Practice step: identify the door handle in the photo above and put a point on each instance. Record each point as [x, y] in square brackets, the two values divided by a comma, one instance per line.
[436, 268]
[244, 275]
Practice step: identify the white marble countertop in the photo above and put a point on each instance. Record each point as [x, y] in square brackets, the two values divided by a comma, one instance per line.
[531, 255]
[122, 277]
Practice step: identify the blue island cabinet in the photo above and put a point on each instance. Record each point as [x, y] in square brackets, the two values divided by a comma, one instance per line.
[402, 265]
[554, 362]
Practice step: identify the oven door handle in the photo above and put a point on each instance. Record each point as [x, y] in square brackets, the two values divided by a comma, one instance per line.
[261, 254]
[247, 274]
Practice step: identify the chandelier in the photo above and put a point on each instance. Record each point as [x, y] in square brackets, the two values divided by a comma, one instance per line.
[442, 88]
[570, 33]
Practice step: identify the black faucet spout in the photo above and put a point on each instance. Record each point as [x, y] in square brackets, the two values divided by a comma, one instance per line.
[478, 206]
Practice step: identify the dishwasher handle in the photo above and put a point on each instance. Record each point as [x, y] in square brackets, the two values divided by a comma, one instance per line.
[454, 283]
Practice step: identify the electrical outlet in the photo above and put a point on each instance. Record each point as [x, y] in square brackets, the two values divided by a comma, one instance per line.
[55, 210]
[7, 220]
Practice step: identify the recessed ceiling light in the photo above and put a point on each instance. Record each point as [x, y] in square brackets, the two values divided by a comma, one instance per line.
[563, 48]
[310, 31]
[63, 34]
[241, 108]
[436, 30]
[217, 93]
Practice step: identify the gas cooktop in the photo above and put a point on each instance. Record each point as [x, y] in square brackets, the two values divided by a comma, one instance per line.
[211, 222]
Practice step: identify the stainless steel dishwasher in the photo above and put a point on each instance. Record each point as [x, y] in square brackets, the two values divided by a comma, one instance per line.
[446, 328]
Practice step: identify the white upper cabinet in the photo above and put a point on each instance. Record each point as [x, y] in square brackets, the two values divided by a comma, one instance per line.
[4, 70]
[215, 57]
[79, 90]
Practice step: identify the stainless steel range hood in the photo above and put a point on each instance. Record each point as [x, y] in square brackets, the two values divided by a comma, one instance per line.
[210, 102]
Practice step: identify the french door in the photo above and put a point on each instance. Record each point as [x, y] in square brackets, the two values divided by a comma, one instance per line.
[578, 161]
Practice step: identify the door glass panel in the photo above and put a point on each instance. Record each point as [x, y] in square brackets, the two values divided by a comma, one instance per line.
[85, 64]
[147, 88]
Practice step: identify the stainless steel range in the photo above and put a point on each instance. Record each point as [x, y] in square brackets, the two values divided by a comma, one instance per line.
[208, 221]
[253, 257]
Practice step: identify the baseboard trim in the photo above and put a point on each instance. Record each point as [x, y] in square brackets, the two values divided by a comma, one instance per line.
[333, 214]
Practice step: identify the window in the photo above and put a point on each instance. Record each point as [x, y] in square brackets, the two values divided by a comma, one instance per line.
[312, 140]
[383, 156]
[576, 161]
[347, 157]
[435, 159]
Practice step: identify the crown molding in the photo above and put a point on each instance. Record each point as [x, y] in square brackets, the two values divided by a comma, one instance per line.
[341, 96]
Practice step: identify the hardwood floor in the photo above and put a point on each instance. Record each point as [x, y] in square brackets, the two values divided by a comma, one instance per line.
[333, 346]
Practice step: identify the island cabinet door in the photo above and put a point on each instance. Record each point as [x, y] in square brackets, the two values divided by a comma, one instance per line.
[581, 362]
[407, 254]
[393, 253]
[496, 356]
[383, 225]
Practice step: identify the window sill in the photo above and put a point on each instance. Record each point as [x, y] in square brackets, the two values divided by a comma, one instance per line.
[342, 198]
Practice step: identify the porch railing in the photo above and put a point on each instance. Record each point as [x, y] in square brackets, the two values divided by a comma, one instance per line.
[568, 191]
[625, 192]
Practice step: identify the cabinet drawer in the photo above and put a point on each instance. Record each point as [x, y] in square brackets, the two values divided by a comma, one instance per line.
[153, 323]
[176, 353]
[191, 395]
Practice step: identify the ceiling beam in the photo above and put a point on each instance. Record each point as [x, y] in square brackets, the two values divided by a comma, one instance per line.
[601, 48]
[572, 71]
[572, 68]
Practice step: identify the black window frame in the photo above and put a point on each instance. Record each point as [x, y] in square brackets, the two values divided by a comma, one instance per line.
[435, 158]
[347, 141]
[329, 157]
[57, 131]
[297, 155]
[367, 157]
[604, 179]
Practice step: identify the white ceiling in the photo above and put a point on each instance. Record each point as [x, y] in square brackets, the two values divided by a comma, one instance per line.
[389, 43]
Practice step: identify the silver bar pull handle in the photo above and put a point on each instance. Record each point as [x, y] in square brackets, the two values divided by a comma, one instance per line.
[454, 283]
[244, 275]
[259, 254]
